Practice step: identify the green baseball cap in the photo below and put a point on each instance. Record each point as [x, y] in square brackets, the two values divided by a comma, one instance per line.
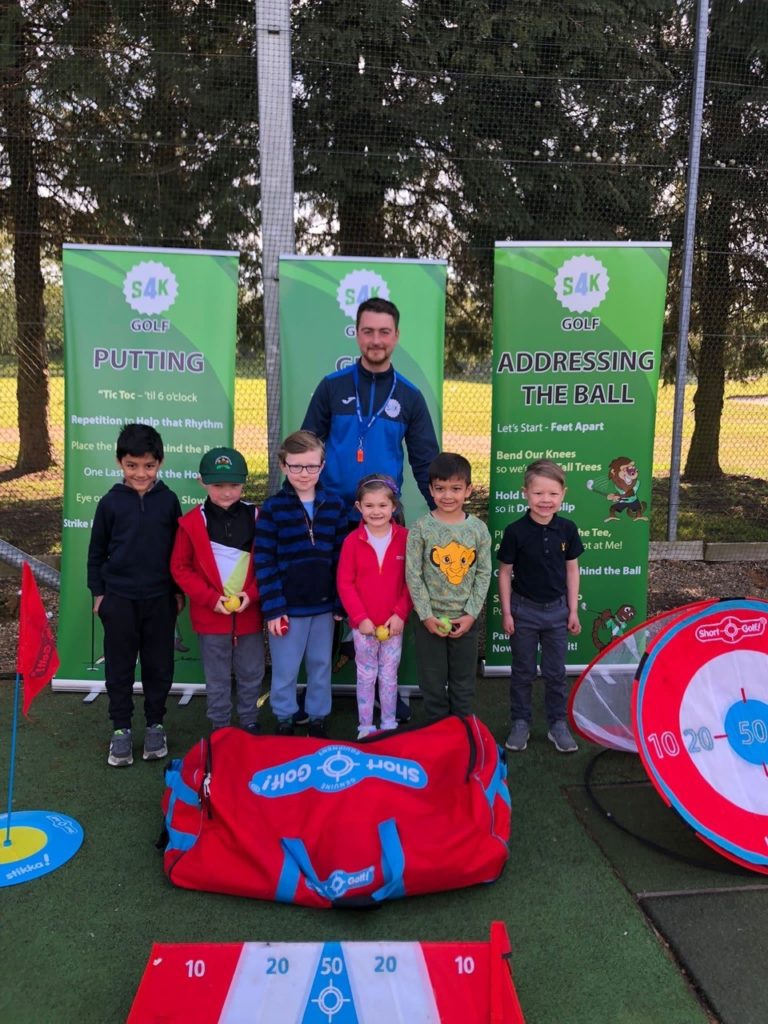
[223, 466]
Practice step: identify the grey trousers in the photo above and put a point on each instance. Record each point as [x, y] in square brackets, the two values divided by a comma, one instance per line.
[222, 655]
[545, 626]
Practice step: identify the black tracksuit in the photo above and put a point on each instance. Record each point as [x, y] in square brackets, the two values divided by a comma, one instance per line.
[129, 565]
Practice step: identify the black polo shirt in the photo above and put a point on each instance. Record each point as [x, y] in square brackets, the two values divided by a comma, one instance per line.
[538, 555]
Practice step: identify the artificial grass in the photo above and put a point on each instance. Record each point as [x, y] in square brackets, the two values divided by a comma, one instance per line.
[720, 938]
[74, 943]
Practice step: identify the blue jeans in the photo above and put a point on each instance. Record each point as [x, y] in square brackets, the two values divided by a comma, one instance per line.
[309, 639]
[545, 626]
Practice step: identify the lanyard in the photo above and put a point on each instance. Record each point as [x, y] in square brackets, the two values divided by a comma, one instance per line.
[372, 416]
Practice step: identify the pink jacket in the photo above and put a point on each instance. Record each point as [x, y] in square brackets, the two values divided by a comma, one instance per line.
[367, 590]
[194, 569]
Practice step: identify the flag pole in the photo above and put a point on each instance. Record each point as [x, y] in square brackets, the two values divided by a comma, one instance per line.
[12, 769]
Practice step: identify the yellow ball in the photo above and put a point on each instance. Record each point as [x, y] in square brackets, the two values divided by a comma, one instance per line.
[232, 603]
[444, 624]
[382, 633]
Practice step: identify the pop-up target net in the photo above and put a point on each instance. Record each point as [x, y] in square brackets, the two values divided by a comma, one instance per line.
[688, 691]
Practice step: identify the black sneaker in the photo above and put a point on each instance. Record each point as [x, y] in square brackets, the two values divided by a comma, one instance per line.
[253, 729]
[316, 728]
[300, 717]
[285, 727]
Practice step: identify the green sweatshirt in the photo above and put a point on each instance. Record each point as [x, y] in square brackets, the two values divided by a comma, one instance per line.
[448, 566]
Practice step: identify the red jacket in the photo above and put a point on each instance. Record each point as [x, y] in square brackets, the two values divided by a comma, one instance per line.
[194, 569]
[370, 591]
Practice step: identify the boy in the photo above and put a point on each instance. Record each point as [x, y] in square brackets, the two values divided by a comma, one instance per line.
[539, 593]
[299, 534]
[212, 562]
[448, 571]
[129, 576]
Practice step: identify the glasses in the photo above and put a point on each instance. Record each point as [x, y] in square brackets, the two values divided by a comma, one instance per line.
[297, 468]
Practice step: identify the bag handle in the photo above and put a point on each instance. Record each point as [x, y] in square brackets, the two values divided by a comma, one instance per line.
[297, 863]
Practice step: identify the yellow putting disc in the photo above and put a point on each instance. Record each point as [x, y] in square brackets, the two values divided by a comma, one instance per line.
[25, 842]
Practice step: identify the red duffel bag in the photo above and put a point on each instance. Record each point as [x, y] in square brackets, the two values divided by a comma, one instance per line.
[326, 823]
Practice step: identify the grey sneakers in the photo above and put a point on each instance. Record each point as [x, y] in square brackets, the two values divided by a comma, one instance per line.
[560, 735]
[121, 748]
[518, 735]
[155, 744]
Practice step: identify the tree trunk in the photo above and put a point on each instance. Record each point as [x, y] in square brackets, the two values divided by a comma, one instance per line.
[716, 296]
[35, 452]
[361, 224]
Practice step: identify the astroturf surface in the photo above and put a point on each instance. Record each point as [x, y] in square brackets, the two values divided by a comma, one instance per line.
[75, 943]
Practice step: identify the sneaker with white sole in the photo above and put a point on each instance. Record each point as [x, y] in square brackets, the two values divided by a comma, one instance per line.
[365, 730]
[155, 743]
[121, 748]
[388, 724]
[518, 735]
[560, 735]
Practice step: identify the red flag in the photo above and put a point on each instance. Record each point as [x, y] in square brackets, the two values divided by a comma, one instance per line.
[37, 658]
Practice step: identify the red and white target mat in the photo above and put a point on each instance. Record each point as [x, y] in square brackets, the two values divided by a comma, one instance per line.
[329, 983]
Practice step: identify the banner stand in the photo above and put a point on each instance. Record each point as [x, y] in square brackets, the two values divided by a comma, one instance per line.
[577, 330]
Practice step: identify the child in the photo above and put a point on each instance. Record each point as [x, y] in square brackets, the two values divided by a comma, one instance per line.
[448, 571]
[539, 558]
[371, 585]
[212, 562]
[134, 596]
[299, 534]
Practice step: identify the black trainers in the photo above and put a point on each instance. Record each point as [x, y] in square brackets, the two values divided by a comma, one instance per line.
[300, 717]
[254, 728]
[285, 727]
[155, 743]
[316, 728]
[121, 748]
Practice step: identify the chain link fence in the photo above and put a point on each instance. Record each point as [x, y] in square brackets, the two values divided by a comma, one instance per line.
[420, 129]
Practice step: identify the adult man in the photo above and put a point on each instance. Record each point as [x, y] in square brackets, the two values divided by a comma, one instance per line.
[366, 411]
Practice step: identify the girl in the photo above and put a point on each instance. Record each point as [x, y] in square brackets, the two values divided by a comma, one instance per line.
[371, 586]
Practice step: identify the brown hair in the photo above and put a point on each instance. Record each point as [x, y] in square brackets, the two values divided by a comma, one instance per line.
[544, 467]
[298, 442]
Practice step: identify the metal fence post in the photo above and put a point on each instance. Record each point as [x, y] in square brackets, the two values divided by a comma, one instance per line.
[691, 199]
[273, 55]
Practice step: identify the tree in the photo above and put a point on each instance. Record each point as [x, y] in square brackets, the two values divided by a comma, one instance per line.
[23, 212]
[732, 273]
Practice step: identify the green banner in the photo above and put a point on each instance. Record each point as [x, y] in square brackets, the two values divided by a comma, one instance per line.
[149, 336]
[576, 342]
[318, 303]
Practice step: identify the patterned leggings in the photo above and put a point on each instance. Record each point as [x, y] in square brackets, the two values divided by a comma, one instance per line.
[377, 658]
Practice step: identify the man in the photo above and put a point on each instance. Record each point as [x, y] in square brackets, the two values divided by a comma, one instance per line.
[366, 411]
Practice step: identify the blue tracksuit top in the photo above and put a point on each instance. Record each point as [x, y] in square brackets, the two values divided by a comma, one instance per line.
[295, 558]
[332, 415]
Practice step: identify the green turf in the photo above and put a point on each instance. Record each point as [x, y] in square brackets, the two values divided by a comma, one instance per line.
[690, 864]
[74, 943]
[720, 938]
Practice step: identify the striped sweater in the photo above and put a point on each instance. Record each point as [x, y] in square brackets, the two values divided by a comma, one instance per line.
[296, 558]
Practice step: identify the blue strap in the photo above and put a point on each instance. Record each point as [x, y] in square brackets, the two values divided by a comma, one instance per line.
[178, 840]
[498, 785]
[392, 862]
[289, 877]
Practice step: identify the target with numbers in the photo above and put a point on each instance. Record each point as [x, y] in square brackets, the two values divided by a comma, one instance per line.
[329, 983]
[700, 706]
